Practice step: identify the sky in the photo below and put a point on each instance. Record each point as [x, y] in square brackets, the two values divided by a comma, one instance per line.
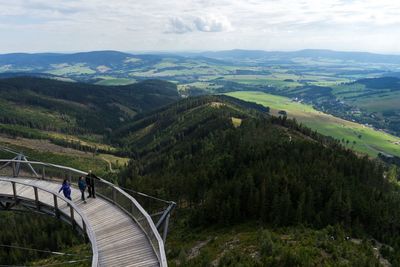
[199, 25]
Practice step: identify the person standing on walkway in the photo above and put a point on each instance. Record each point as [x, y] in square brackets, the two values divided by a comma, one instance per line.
[90, 181]
[82, 187]
[66, 188]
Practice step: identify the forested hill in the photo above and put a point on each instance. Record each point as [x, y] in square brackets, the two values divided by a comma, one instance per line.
[48, 104]
[227, 165]
[189, 119]
[391, 83]
[43, 60]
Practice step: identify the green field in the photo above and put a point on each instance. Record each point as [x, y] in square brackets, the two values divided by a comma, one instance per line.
[66, 69]
[109, 81]
[361, 138]
[368, 99]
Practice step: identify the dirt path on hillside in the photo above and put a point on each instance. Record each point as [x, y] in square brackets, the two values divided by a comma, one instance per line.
[40, 145]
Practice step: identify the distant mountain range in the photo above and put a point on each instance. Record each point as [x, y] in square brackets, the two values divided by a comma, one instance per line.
[115, 58]
[308, 53]
[118, 68]
[43, 61]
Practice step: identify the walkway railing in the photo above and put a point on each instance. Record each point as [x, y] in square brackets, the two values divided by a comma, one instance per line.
[59, 206]
[107, 190]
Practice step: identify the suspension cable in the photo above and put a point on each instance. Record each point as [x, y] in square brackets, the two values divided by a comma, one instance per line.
[144, 195]
[44, 251]
[48, 265]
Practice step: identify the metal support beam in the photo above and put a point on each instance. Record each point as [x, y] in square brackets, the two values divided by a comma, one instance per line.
[165, 214]
[165, 231]
[8, 163]
[14, 169]
[9, 204]
[164, 220]
[18, 165]
[30, 166]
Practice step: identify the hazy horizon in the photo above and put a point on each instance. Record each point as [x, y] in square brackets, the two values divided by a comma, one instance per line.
[193, 25]
[144, 52]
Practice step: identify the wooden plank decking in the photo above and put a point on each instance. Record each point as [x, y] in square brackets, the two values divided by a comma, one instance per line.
[120, 241]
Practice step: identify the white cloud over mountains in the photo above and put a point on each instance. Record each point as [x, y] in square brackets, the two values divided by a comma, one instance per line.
[65, 25]
[212, 23]
[207, 23]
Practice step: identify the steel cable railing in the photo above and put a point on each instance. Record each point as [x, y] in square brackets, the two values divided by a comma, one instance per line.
[107, 190]
[60, 206]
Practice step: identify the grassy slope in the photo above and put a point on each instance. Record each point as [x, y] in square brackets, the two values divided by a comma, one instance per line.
[375, 101]
[115, 81]
[371, 142]
[43, 150]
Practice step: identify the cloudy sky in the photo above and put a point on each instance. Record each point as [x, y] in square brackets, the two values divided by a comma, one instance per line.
[193, 25]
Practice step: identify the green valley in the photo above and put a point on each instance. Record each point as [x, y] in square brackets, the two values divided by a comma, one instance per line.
[198, 133]
[214, 135]
[69, 123]
[362, 138]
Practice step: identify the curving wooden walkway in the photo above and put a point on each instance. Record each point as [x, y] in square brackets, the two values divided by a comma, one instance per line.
[120, 241]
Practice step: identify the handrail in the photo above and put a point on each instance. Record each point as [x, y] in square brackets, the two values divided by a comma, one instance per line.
[119, 197]
[87, 228]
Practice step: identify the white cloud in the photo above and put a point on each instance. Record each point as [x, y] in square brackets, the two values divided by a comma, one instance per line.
[178, 25]
[207, 23]
[38, 25]
[212, 23]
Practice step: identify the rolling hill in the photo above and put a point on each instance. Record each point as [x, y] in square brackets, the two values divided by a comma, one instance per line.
[356, 136]
[202, 70]
[252, 189]
[377, 100]
[368, 101]
[238, 173]
[266, 176]
[51, 105]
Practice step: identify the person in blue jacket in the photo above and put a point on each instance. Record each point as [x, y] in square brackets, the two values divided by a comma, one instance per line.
[66, 188]
[82, 187]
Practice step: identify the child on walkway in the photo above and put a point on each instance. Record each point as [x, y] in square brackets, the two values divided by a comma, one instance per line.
[82, 187]
[66, 188]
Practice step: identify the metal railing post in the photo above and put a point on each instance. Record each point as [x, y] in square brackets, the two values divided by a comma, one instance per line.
[36, 197]
[85, 236]
[56, 211]
[114, 195]
[86, 227]
[118, 197]
[14, 169]
[71, 209]
[14, 190]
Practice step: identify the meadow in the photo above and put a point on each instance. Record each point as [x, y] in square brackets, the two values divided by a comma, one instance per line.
[76, 69]
[110, 81]
[359, 137]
